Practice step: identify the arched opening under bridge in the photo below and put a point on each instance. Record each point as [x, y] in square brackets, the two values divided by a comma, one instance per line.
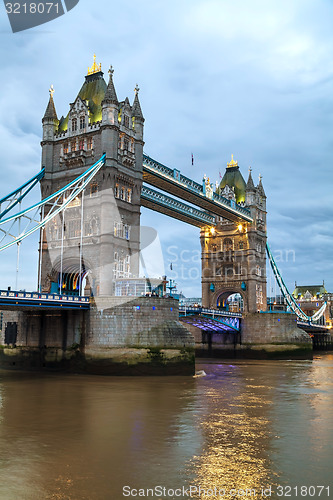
[230, 301]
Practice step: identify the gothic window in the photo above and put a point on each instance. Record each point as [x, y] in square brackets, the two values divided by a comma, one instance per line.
[116, 191]
[89, 143]
[82, 122]
[73, 146]
[74, 124]
[227, 245]
[93, 189]
[126, 121]
[126, 144]
[91, 227]
[73, 228]
[258, 269]
[128, 267]
[122, 193]
[119, 229]
[122, 230]
[66, 148]
[214, 248]
[81, 144]
[241, 245]
[129, 195]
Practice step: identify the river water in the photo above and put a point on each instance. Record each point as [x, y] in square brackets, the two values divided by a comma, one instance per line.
[248, 429]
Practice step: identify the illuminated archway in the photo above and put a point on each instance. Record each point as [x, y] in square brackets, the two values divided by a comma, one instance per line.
[231, 301]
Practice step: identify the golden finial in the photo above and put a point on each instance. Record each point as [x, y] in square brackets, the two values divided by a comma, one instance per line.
[136, 90]
[250, 170]
[260, 177]
[111, 71]
[233, 163]
[51, 90]
[95, 68]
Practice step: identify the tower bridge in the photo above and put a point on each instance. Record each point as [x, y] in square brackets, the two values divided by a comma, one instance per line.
[95, 178]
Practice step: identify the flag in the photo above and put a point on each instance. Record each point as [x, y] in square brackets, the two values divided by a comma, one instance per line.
[192, 158]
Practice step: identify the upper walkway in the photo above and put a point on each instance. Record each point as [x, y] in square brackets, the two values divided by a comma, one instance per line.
[175, 183]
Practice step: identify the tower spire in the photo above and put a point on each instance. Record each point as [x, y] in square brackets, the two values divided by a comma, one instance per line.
[250, 183]
[50, 111]
[261, 187]
[110, 93]
[137, 112]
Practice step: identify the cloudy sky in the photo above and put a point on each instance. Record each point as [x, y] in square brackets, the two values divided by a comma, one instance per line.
[217, 77]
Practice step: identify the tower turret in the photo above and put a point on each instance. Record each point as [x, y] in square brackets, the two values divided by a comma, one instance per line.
[50, 126]
[138, 121]
[110, 124]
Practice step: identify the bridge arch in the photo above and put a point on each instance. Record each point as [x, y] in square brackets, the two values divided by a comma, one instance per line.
[69, 277]
[232, 299]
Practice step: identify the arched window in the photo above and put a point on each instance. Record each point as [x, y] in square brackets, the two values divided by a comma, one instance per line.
[93, 189]
[74, 124]
[227, 245]
[65, 148]
[126, 121]
[241, 245]
[82, 122]
[81, 144]
[89, 143]
[73, 146]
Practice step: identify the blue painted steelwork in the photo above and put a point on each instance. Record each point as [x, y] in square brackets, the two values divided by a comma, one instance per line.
[175, 177]
[19, 194]
[289, 297]
[173, 205]
[42, 300]
[54, 203]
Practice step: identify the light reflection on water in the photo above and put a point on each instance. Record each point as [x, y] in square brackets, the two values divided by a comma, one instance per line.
[245, 425]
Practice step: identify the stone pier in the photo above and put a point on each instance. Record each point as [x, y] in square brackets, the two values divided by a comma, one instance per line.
[117, 336]
[262, 336]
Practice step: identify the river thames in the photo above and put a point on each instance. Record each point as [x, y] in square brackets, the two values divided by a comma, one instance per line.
[248, 429]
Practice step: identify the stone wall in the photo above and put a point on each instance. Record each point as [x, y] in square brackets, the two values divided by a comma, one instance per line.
[262, 336]
[117, 336]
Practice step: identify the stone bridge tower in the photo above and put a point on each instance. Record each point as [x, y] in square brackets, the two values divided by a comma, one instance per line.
[108, 215]
[234, 255]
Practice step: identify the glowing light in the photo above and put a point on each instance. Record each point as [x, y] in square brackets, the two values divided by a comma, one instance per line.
[212, 231]
[240, 228]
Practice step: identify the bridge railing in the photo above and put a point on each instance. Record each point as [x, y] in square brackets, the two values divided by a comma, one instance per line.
[36, 296]
[212, 312]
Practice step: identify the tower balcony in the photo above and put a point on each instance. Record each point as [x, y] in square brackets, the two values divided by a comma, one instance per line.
[126, 157]
[75, 158]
